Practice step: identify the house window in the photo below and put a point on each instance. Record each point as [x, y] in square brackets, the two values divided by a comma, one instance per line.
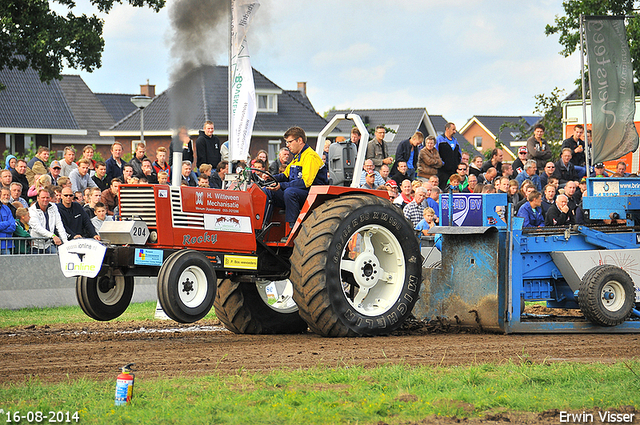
[272, 149]
[477, 141]
[267, 102]
[18, 144]
[28, 140]
[134, 145]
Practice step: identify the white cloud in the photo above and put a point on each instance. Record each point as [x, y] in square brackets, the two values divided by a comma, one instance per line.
[354, 53]
[363, 77]
[454, 57]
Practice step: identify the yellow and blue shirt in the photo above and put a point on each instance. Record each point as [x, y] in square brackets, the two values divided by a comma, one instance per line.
[306, 169]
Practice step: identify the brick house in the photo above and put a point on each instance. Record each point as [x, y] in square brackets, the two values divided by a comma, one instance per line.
[67, 113]
[405, 122]
[278, 110]
[483, 130]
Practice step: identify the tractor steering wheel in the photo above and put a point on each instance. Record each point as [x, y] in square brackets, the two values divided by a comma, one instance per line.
[269, 180]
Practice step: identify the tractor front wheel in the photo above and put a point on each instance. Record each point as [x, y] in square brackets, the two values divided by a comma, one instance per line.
[186, 286]
[104, 297]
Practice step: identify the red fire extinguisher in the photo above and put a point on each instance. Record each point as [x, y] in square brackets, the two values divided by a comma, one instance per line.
[124, 385]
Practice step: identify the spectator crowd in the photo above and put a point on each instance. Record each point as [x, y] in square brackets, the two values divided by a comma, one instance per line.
[543, 192]
[46, 203]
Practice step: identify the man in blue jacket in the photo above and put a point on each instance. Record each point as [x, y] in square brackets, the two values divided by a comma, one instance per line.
[7, 222]
[531, 211]
[408, 151]
[115, 164]
[305, 169]
[530, 173]
[449, 150]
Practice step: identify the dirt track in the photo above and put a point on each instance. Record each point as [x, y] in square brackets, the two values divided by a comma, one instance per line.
[96, 350]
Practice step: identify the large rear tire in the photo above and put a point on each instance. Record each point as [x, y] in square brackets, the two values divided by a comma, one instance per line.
[356, 267]
[607, 295]
[186, 286]
[105, 297]
[244, 308]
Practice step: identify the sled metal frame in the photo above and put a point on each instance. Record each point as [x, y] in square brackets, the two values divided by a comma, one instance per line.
[517, 265]
[541, 270]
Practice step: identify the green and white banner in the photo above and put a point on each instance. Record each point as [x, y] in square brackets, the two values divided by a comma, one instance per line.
[611, 85]
[243, 92]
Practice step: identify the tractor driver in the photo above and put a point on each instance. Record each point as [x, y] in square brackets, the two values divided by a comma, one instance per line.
[305, 169]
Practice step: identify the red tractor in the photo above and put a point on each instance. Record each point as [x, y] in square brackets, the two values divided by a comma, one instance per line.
[350, 266]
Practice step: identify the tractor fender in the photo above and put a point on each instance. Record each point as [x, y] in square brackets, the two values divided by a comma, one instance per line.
[318, 195]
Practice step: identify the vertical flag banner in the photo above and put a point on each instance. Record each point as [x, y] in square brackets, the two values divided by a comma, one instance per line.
[611, 85]
[243, 92]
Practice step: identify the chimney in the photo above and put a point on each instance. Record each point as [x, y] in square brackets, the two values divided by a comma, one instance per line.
[148, 90]
[302, 87]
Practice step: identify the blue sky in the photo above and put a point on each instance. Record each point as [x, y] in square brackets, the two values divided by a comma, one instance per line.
[456, 58]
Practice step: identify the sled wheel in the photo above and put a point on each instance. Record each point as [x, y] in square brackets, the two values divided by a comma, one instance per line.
[606, 296]
[186, 286]
[356, 267]
[245, 307]
[104, 297]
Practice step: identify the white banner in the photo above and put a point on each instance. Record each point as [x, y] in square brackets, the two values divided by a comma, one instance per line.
[243, 92]
[81, 257]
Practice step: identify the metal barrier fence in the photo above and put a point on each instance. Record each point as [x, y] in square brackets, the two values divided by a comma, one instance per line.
[23, 246]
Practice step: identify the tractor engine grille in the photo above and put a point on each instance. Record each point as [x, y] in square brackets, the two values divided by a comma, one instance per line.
[184, 219]
[138, 202]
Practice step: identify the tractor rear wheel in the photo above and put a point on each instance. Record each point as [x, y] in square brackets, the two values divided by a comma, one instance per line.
[607, 295]
[245, 308]
[356, 267]
[186, 286]
[104, 297]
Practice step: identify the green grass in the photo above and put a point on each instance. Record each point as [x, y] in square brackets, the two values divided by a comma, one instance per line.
[392, 394]
[57, 315]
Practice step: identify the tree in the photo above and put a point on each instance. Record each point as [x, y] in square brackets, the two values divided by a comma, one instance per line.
[520, 128]
[326, 114]
[568, 26]
[550, 108]
[33, 35]
[372, 131]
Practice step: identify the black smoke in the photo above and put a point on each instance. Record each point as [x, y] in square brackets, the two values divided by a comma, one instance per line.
[200, 35]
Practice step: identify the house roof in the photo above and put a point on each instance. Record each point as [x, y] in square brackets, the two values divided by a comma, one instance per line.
[404, 121]
[491, 124]
[439, 122]
[88, 111]
[28, 105]
[118, 105]
[532, 120]
[209, 102]
[407, 120]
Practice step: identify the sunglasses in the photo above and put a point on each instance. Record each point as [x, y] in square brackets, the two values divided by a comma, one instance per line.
[66, 196]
